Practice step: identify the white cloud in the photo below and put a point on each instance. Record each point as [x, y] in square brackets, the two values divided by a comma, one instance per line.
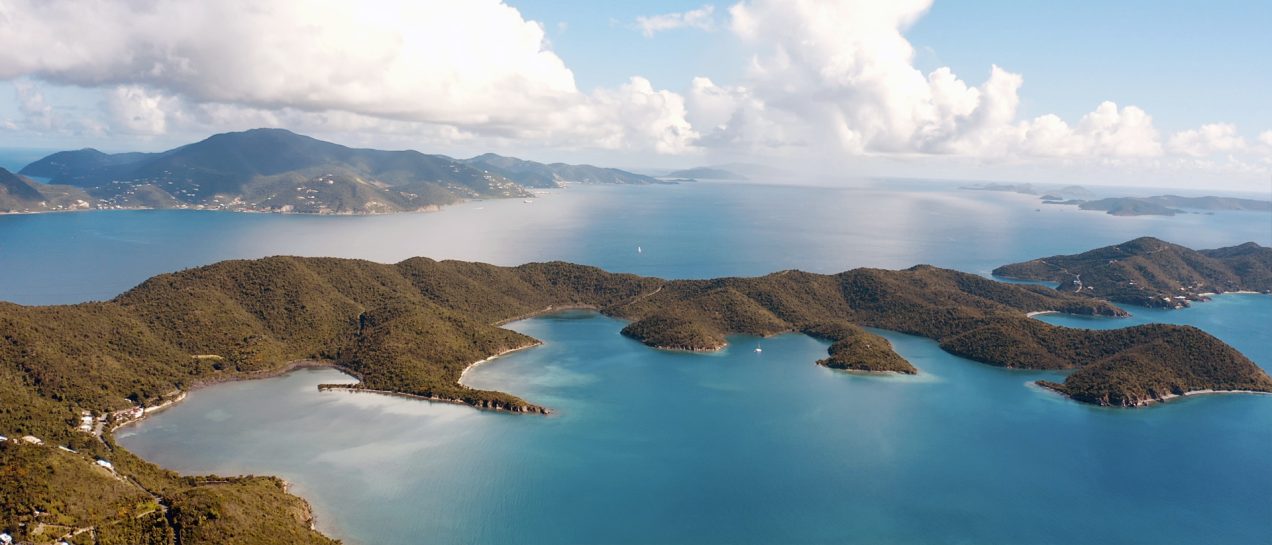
[476, 65]
[702, 18]
[838, 79]
[1207, 140]
[1265, 138]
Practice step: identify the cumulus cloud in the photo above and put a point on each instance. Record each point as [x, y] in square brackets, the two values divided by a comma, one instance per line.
[1207, 140]
[477, 65]
[839, 78]
[702, 18]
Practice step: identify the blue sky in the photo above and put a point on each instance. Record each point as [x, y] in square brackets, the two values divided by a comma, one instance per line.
[1168, 91]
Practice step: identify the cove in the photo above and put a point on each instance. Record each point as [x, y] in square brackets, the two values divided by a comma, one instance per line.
[739, 447]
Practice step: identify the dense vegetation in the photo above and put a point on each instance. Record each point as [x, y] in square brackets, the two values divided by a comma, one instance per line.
[414, 326]
[1152, 273]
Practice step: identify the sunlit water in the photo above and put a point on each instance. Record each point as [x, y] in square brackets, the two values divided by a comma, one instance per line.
[735, 447]
[685, 231]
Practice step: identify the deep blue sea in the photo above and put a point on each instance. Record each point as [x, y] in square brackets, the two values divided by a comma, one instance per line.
[733, 447]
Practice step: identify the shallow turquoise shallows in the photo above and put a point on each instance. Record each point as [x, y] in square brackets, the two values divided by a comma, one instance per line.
[651, 447]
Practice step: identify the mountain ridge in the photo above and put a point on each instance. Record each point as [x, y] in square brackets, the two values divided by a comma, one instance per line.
[275, 170]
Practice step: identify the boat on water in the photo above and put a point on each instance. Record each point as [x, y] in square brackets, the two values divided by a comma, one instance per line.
[639, 251]
[758, 350]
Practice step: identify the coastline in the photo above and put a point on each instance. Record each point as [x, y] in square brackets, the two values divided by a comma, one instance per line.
[460, 380]
[421, 210]
[1153, 401]
[550, 309]
[178, 396]
[1040, 313]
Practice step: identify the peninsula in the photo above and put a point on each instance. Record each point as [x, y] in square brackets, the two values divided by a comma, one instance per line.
[71, 373]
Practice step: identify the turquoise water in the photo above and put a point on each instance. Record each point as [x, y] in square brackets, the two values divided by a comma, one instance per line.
[734, 447]
[697, 230]
[738, 447]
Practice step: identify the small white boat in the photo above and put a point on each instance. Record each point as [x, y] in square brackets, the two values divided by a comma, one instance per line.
[639, 251]
[758, 350]
[527, 201]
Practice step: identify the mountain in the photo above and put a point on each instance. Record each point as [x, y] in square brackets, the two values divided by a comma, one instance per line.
[1169, 205]
[710, 173]
[20, 194]
[533, 174]
[274, 170]
[1152, 273]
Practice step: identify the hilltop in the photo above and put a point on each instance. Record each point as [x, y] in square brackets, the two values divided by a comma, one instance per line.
[274, 170]
[1151, 272]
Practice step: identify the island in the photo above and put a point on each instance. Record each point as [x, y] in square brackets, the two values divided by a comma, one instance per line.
[710, 173]
[1152, 273]
[73, 373]
[1166, 205]
[275, 170]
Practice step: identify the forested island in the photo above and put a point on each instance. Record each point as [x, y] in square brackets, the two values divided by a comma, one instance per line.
[274, 170]
[1152, 273]
[72, 372]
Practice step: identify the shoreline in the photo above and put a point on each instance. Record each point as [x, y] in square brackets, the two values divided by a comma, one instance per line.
[550, 309]
[181, 394]
[1040, 313]
[1152, 401]
[460, 380]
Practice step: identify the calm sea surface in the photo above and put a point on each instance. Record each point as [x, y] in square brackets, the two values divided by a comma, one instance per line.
[733, 447]
[686, 231]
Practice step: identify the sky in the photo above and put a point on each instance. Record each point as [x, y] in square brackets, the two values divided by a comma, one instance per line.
[1134, 92]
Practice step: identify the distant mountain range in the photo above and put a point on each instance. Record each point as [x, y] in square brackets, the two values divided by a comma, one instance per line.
[275, 170]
